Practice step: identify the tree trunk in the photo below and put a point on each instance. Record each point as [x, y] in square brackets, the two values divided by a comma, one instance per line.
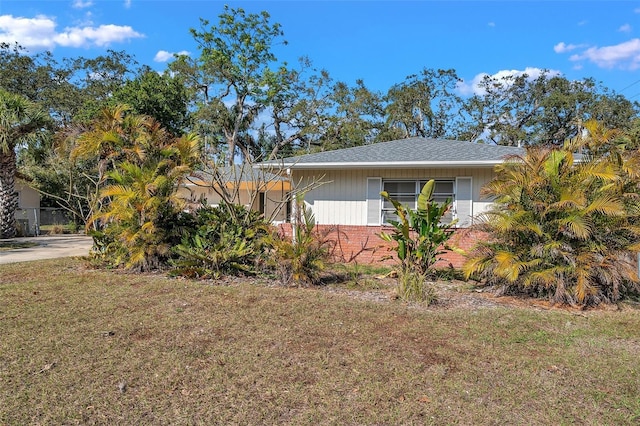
[8, 195]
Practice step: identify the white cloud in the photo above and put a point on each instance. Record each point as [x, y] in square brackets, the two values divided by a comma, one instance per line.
[127, 4]
[625, 55]
[80, 4]
[40, 33]
[626, 28]
[35, 32]
[101, 36]
[491, 24]
[562, 47]
[473, 88]
[164, 56]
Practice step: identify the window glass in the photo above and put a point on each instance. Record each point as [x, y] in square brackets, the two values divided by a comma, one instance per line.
[388, 216]
[408, 187]
[407, 200]
[444, 187]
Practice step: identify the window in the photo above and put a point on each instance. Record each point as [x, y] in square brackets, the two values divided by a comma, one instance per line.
[407, 191]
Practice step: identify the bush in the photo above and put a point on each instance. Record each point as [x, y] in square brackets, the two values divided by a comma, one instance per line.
[57, 229]
[228, 239]
[420, 235]
[564, 229]
[301, 259]
[118, 245]
[413, 287]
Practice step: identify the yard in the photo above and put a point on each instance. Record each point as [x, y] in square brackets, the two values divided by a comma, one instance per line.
[83, 346]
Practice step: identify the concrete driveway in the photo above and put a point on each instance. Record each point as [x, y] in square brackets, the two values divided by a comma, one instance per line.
[48, 247]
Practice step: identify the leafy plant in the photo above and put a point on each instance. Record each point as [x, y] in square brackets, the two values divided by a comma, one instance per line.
[227, 239]
[564, 229]
[420, 233]
[139, 211]
[413, 286]
[301, 259]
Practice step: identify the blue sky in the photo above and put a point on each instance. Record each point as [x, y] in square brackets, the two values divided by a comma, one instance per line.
[380, 42]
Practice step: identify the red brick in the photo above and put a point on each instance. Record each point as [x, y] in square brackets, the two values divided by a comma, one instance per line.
[363, 244]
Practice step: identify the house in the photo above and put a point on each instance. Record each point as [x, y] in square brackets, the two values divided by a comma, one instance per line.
[28, 212]
[349, 204]
[256, 189]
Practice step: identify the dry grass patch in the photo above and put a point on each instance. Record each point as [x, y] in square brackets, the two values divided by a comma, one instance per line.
[99, 347]
[13, 245]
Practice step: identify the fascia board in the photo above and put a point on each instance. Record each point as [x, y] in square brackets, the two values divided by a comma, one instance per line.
[383, 165]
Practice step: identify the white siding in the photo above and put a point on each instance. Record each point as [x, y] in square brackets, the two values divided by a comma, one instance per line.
[342, 198]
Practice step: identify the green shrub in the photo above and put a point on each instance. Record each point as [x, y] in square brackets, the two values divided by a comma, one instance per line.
[420, 235]
[564, 229]
[302, 259]
[413, 287]
[228, 239]
[116, 245]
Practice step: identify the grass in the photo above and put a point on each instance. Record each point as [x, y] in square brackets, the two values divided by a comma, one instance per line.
[12, 245]
[58, 229]
[99, 347]
[357, 276]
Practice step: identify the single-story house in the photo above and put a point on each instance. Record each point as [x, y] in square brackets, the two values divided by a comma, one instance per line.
[256, 189]
[28, 212]
[349, 204]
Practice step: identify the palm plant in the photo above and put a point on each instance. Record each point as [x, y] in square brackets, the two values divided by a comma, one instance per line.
[139, 200]
[20, 122]
[301, 259]
[563, 228]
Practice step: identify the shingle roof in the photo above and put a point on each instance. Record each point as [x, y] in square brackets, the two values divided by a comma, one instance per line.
[410, 152]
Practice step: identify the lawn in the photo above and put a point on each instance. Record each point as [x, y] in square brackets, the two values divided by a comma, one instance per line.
[12, 245]
[82, 346]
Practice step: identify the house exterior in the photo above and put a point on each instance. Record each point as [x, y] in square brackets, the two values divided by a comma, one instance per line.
[257, 190]
[28, 212]
[348, 204]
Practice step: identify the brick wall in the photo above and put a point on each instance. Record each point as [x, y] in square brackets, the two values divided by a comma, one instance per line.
[363, 244]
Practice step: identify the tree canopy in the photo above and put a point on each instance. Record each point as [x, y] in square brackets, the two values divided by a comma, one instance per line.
[247, 105]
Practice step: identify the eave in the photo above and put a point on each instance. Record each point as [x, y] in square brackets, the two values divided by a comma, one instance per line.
[380, 165]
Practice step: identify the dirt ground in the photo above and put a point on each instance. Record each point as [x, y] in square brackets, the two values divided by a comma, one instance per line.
[454, 294]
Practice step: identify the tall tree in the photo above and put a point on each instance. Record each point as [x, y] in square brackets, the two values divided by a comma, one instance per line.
[98, 79]
[544, 110]
[21, 121]
[230, 77]
[355, 118]
[161, 96]
[68, 90]
[423, 105]
[298, 113]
